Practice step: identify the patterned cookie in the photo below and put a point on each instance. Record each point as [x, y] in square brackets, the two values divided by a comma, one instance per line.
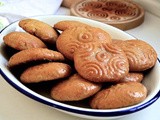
[45, 72]
[141, 55]
[22, 41]
[71, 39]
[119, 95]
[117, 41]
[65, 24]
[73, 89]
[101, 62]
[40, 29]
[132, 77]
[34, 54]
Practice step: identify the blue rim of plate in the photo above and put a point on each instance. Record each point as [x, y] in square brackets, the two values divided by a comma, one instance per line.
[82, 112]
[77, 111]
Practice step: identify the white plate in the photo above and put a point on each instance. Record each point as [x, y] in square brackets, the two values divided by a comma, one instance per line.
[151, 80]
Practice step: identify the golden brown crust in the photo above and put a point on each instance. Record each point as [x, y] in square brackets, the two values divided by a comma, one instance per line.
[97, 59]
[71, 39]
[119, 95]
[117, 41]
[22, 41]
[141, 55]
[35, 54]
[101, 62]
[133, 77]
[66, 24]
[40, 29]
[45, 72]
[73, 89]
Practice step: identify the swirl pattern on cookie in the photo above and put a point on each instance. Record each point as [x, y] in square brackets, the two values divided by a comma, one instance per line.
[85, 48]
[79, 36]
[116, 67]
[73, 46]
[93, 70]
[101, 56]
[102, 64]
[85, 37]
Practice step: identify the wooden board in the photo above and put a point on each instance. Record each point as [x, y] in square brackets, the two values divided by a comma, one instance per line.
[123, 14]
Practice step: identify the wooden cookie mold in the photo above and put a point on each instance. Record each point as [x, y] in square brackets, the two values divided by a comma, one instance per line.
[123, 14]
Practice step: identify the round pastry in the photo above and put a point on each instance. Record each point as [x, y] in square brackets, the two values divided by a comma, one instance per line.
[40, 29]
[133, 77]
[101, 62]
[119, 95]
[45, 72]
[22, 41]
[71, 39]
[118, 41]
[141, 55]
[66, 24]
[74, 88]
[34, 54]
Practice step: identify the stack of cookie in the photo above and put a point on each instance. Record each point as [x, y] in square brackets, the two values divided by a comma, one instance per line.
[86, 62]
[32, 48]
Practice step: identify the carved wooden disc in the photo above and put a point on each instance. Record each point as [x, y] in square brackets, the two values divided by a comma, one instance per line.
[123, 14]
